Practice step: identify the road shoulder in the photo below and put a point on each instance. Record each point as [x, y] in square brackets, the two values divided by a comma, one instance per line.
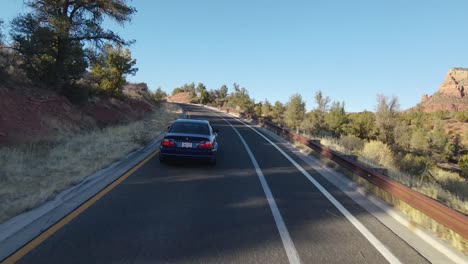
[20, 230]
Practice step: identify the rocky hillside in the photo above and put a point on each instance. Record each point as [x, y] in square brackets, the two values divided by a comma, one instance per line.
[451, 95]
[29, 114]
[183, 97]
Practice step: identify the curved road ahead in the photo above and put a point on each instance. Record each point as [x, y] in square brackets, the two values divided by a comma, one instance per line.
[254, 206]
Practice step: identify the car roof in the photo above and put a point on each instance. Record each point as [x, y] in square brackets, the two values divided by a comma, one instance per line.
[185, 120]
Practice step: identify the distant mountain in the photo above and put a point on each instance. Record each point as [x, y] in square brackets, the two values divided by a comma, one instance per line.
[451, 95]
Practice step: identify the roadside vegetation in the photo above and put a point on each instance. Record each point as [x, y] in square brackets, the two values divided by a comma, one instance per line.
[62, 46]
[33, 173]
[425, 151]
[59, 64]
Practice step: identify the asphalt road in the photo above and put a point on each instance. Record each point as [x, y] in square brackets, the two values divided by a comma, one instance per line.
[197, 213]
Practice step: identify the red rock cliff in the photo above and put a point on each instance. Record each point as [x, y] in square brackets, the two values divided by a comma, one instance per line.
[451, 93]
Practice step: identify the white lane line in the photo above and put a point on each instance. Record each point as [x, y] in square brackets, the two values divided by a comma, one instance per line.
[288, 244]
[364, 231]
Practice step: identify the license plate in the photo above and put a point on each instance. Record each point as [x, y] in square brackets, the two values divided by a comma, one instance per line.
[186, 144]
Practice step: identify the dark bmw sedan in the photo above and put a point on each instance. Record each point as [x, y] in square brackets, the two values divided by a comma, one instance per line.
[190, 139]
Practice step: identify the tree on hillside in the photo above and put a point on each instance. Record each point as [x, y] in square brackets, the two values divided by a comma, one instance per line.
[266, 109]
[110, 67]
[258, 109]
[403, 133]
[362, 125]
[386, 118]
[439, 142]
[219, 95]
[419, 142]
[463, 164]
[4, 54]
[67, 25]
[336, 119]
[2, 36]
[277, 113]
[310, 125]
[322, 104]
[416, 117]
[189, 88]
[294, 112]
[223, 92]
[240, 99]
[159, 95]
[200, 87]
[454, 147]
[204, 97]
[34, 43]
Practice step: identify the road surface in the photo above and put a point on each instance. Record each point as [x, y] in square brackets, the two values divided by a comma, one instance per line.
[256, 207]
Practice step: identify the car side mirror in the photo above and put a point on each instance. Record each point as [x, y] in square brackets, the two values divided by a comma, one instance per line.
[168, 127]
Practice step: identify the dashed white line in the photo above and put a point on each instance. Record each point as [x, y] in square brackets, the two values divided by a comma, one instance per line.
[288, 244]
[360, 227]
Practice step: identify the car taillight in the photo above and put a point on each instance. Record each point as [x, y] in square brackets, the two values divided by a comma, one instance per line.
[168, 143]
[205, 145]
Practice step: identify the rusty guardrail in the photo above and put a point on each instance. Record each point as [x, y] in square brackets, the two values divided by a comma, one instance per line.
[452, 219]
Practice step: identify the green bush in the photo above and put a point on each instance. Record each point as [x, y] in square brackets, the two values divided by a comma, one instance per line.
[412, 164]
[378, 152]
[419, 141]
[441, 115]
[351, 143]
[77, 93]
[463, 164]
[462, 116]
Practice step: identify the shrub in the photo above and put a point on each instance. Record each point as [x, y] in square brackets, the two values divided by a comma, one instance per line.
[462, 116]
[378, 152]
[77, 93]
[463, 164]
[334, 144]
[351, 143]
[403, 134]
[361, 125]
[441, 115]
[439, 142]
[419, 142]
[158, 96]
[110, 67]
[412, 164]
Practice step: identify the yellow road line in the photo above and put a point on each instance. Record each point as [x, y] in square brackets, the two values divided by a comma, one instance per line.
[51, 230]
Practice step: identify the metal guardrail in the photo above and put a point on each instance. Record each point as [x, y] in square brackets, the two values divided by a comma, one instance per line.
[450, 218]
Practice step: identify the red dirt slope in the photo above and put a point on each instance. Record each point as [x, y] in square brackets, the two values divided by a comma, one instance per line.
[183, 97]
[32, 115]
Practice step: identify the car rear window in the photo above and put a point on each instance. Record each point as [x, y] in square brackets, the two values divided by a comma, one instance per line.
[190, 128]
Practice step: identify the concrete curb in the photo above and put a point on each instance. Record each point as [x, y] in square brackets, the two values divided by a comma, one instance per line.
[19, 230]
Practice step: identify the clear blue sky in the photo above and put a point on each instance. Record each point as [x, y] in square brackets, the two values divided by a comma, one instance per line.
[351, 50]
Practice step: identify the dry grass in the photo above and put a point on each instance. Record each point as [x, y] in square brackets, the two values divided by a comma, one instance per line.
[415, 216]
[32, 174]
[447, 187]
